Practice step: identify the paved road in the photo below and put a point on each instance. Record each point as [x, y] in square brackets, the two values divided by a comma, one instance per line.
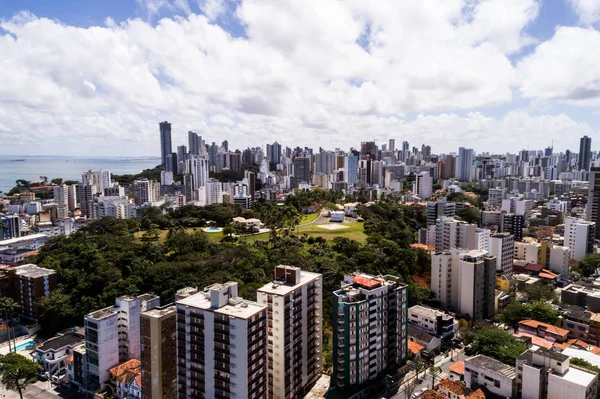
[41, 390]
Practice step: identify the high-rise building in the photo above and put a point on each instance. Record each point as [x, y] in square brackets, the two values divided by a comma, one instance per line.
[502, 246]
[159, 353]
[112, 335]
[165, 141]
[451, 233]
[221, 345]
[351, 169]
[250, 178]
[464, 164]
[465, 282]
[86, 194]
[274, 153]
[171, 162]
[585, 153]
[12, 228]
[513, 223]
[368, 150]
[369, 328]
[392, 145]
[324, 162]
[199, 168]
[579, 237]
[144, 191]
[301, 166]
[447, 167]
[295, 330]
[441, 207]
[194, 143]
[423, 185]
[593, 199]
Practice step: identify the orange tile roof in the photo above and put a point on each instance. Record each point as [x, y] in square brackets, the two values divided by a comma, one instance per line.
[549, 327]
[536, 340]
[365, 281]
[423, 246]
[457, 367]
[562, 346]
[455, 387]
[478, 394]
[431, 394]
[126, 371]
[414, 347]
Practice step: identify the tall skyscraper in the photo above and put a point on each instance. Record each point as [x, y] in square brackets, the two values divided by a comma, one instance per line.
[221, 344]
[194, 143]
[585, 153]
[464, 164]
[165, 141]
[274, 152]
[369, 328]
[294, 318]
[301, 174]
[351, 169]
[392, 145]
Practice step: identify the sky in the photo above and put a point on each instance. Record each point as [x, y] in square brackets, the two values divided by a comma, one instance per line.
[83, 77]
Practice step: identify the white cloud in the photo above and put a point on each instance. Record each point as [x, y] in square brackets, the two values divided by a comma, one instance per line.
[587, 10]
[318, 71]
[564, 68]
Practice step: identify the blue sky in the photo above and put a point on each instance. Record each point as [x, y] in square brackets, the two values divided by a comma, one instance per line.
[490, 74]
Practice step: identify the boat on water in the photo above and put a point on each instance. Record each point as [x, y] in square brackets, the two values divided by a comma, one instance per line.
[16, 160]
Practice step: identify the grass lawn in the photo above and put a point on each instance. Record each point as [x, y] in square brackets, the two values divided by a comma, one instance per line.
[309, 218]
[354, 231]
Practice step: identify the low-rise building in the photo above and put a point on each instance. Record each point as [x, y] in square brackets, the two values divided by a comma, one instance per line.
[497, 377]
[337, 216]
[577, 321]
[544, 330]
[251, 224]
[575, 294]
[126, 378]
[433, 321]
[456, 390]
[543, 373]
[52, 354]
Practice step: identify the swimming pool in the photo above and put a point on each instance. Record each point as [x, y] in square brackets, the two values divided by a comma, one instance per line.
[25, 345]
[213, 229]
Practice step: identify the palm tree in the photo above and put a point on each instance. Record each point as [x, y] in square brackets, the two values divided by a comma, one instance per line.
[10, 308]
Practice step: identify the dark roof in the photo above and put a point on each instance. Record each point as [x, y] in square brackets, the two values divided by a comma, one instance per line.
[487, 363]
[60, 342]
[419, 335]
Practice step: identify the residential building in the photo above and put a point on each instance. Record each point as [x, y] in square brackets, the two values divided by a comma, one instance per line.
[513, 223]
[441, 207]
[12, 226]
[579, 237]
[433, 321]
[274, 152]
[145, 191]
[546, 374]
[495, 197]
[159, 353]
[194, 145]
[29, 285]
[301, 167]
[452, 233]
[577, 321]
[18, 249]
[448, 388]
[53, 353]
[559, 260]
[544, 330]
[221, 344]
[593, 198]
[527, 251]
[351, 169]
[465, 282]
[112, 336]
[502, 247]
[295, 339]
[126, 379]
[422, 187]
[369, 328]
[497, 377]
[165, 141]
[464, 164]
[579, 295]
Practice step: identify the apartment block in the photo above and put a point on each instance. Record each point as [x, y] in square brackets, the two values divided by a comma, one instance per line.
[465, 282]
[159, 353]
[451, 233]
[527, 251]
[112, 335]
[579, 295]
[441, 207]
[221, 344]
[295, 330]
[502, 247]
[433, 321]
[546, 374]
[369, 328]
[28, 285]
[579, 237]
[497, 377]
[513, 223]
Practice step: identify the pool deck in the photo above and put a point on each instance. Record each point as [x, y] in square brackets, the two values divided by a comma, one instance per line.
[20, 340]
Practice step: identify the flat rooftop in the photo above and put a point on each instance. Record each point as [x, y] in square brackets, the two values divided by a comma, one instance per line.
[103, 313]
[33, 271]
[235, 307]
[577, 376]
[282, 288]
[493, 365]
[160, 312]
[24, 239]
[427, 312]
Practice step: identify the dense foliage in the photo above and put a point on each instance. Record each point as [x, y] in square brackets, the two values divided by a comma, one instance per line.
[494, 342]
[18, 372]
[589, 264]
[516, 312]
[105, 259]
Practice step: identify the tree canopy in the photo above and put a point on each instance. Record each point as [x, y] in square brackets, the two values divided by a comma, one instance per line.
[516, 312]
[18, 371]
[589, 264]
[495, 343]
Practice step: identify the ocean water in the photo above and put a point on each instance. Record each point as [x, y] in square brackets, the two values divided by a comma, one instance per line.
[69, 168]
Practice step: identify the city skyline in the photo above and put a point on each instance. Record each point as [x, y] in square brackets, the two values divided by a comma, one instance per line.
[351, 76]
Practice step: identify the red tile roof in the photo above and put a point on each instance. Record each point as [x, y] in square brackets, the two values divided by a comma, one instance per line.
[127, 371]
[549, 327]
[366, 281]
[455, 387]
[431, 394]
[536, 340]
[414, 347]
[457, 367]
[478, 394]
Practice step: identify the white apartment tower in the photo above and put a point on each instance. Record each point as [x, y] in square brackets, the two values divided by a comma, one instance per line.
[579, 237]
[451, 233]
[369, 328]
[502, 246]
[221, 344]
[423, 185]
[112, 335]
[295, 330]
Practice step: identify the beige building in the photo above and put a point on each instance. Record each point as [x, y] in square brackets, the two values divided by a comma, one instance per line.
[295, 330]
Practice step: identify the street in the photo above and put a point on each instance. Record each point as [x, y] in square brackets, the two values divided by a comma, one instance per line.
[41, 390]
